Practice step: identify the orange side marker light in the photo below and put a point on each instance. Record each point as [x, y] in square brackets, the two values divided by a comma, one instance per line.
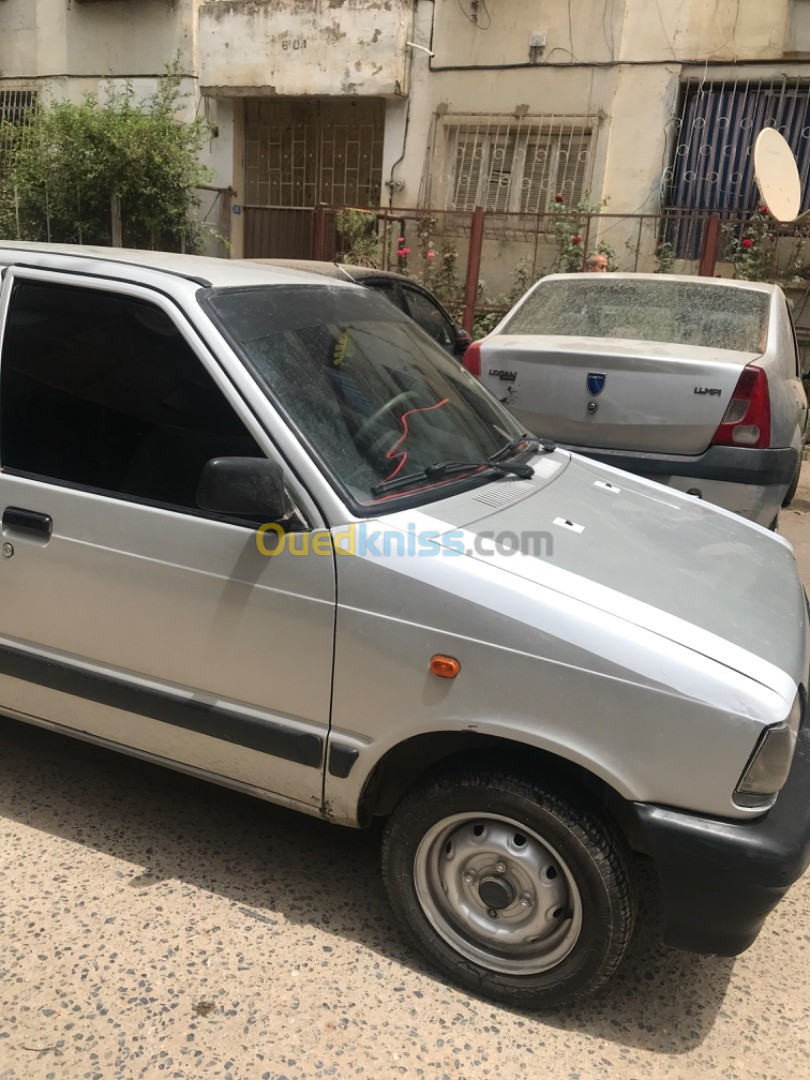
[446, 667]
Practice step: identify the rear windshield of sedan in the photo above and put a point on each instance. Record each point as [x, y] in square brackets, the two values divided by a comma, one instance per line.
[678, 312]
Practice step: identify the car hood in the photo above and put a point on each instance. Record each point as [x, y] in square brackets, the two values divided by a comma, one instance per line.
[692, 573]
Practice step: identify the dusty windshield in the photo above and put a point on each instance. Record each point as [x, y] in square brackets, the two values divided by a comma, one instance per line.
[373, 397]
[680, 312]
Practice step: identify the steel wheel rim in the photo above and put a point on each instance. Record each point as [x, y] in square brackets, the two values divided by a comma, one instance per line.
[498, 893]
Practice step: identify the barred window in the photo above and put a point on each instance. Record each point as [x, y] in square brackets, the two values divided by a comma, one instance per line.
[16, 105]
[16, 112]
[517, 165]
[712, 163]
[714, 133]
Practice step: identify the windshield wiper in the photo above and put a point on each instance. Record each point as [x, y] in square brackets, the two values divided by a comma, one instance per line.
[546, 445]
[443, 468]
[496, 461]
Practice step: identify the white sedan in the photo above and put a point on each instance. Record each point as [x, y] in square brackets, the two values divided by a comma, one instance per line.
[693, 382]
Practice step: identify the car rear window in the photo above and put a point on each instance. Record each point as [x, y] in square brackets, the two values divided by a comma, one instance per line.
[679, 312]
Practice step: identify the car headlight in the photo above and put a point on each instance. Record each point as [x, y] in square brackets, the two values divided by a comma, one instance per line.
[769, 765]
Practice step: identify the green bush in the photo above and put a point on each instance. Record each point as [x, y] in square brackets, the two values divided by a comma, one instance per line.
[357, 232]
[64, 169]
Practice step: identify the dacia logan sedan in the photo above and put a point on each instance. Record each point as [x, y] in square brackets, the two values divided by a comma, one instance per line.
[258, 527]
[693, 382]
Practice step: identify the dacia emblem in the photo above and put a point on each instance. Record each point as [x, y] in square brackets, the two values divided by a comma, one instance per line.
[596, 382]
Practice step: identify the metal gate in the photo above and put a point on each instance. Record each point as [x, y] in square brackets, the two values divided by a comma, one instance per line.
[302, 153]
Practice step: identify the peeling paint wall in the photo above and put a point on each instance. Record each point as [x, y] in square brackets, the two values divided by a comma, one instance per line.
[694, 30]
[607, 31]
[621, 60]
[304, 47]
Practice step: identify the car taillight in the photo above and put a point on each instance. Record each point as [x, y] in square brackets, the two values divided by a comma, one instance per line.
[747, 420]
[472, 359]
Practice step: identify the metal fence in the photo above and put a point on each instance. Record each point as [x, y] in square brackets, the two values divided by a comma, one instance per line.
[215, 215]
[480, 262]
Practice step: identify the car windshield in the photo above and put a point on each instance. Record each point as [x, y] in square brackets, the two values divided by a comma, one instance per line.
[372, 396]
[678, 312]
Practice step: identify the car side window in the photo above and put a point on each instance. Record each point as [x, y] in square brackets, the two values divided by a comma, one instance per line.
[425, 313]
[389, 290]
[102, 391]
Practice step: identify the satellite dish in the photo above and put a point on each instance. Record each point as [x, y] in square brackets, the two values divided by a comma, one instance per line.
[777, 175]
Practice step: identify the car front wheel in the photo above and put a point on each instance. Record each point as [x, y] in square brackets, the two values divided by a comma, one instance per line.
[515, 890]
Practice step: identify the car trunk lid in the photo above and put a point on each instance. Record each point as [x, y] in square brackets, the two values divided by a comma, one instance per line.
[617, 394]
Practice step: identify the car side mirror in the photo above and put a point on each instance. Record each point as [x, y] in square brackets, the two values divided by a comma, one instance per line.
[462, 341]
[244, 487]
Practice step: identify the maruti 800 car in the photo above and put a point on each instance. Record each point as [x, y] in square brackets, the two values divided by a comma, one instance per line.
[258, 527]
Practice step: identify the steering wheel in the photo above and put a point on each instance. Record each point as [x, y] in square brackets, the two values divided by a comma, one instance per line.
[400, 399]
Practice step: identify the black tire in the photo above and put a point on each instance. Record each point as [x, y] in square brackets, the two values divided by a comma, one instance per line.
[791, 491]
[564, 863]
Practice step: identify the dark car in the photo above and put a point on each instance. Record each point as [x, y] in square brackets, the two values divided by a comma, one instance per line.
[408, 295]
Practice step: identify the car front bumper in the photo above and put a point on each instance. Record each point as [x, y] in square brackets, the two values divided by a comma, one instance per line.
[720, 879]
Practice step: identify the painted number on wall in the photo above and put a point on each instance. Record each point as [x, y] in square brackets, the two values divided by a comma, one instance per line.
[294, 43]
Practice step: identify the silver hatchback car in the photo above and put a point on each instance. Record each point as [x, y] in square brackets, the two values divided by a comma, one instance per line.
[694, 382]
[258, 527]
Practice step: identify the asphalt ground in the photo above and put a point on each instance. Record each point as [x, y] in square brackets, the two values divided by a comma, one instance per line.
[155, 926]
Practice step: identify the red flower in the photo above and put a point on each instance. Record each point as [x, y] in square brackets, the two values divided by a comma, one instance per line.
[400, 239]
[430, 254]
[405, 251]
[559, 198]
[746, 243]
[576, 239]
[763, 209]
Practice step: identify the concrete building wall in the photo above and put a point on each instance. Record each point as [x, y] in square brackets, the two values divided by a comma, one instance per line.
[94, 38]
[21, 39]
[692, 30]
[286, 48]
[620, 63]
[65, 50]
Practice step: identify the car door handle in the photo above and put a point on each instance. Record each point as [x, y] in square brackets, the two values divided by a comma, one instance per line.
[14, 517]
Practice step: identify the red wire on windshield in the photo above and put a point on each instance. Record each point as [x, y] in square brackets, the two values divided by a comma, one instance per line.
[403, 456]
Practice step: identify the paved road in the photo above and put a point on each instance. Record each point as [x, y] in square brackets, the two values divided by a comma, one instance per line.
[154, 926]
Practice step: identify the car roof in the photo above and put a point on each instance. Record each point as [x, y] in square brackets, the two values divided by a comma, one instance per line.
[198, 268]
[335, 270]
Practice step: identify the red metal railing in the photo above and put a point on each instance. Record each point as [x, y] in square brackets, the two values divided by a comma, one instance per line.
[479, 262]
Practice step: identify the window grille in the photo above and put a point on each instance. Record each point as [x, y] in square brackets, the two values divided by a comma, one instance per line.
[16, 112]
[712, 155]
[16, 106]
[512, 164]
